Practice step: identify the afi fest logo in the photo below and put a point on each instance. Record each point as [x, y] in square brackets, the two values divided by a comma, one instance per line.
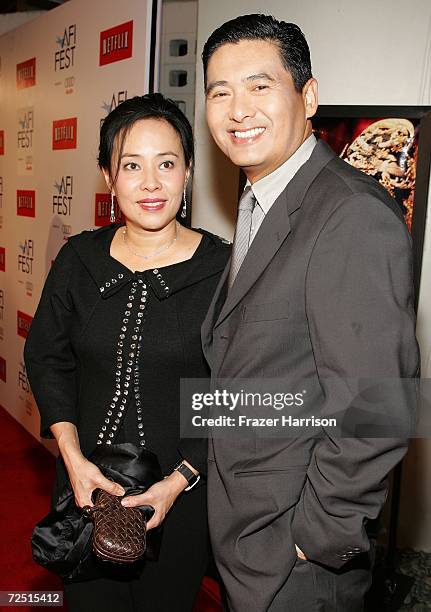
[24, 386]
[62, 196]
[26, 256]
[65, 56]
[26, 74]
[1, 142]
[2, 259]
[25, 203]
[116, 43]
[23, 323]
[22, 378]
[102, 209]
[2, 369]
[25, 140]
[25, 128]
[64, 134]
[115, 100]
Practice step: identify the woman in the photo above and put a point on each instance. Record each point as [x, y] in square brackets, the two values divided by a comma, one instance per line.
[117, 326]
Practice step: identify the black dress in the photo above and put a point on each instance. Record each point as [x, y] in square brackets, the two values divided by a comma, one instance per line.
[106, 351]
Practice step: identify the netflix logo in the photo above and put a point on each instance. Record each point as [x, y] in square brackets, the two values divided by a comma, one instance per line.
[2, 259]
[26, 74]
[64, 134]
[2, 369]
[116, 43]
[102, 209]
[25, 203]
[23, 323]
[1, 142]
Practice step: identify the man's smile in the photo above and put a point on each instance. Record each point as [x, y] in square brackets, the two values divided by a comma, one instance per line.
[249, 135]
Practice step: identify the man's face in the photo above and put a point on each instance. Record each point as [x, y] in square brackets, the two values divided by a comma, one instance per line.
[254, 112]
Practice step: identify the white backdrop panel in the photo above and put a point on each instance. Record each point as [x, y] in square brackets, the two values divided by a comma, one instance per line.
[68, 79]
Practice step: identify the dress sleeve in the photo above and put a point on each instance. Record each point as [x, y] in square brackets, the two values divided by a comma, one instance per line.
[362, 327]
[195, 451]
[49, 358]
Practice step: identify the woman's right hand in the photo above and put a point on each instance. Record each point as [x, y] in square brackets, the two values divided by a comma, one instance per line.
[84, 475]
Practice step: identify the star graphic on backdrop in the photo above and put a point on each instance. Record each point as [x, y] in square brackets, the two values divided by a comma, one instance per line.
[106, 107]
[60, 41]
[57, 186]
[22, 123]
[22, 247]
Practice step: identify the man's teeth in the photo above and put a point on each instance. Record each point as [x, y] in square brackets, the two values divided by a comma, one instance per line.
[249, 133]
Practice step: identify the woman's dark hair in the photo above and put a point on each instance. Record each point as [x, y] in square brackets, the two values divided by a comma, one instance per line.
[118, 123]
[288, 37]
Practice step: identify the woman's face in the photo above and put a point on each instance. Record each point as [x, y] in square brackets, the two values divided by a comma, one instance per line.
[152, 174]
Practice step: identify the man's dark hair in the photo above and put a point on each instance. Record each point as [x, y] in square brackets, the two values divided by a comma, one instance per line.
[288, 37]
[118, 123]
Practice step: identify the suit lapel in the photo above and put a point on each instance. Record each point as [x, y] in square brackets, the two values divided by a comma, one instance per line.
[275, 228]
[273, 232]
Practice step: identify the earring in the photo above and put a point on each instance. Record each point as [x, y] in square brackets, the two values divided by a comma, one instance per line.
[184, 208]
[112, 216]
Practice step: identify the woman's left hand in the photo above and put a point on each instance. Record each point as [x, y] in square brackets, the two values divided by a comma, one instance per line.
[161, 496]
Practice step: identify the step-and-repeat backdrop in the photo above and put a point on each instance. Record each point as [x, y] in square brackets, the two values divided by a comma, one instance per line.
[59, 77]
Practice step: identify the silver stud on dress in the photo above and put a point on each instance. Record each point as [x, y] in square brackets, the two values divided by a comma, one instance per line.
[123, 379]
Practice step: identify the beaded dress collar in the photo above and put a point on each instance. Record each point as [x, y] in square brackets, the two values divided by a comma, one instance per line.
[110, 275]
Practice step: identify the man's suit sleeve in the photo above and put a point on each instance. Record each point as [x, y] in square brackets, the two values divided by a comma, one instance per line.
[49, 358]
[359, 304]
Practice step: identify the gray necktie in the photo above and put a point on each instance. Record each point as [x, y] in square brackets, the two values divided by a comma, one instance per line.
[242, 232]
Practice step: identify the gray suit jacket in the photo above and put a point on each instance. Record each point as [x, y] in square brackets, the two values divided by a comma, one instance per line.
[324, 294]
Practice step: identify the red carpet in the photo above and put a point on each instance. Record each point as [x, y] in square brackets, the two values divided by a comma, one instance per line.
[26, 480]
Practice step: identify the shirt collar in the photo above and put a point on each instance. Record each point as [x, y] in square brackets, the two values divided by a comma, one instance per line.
[267, 189]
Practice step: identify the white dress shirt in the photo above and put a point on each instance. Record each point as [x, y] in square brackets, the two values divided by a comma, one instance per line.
[267, 190]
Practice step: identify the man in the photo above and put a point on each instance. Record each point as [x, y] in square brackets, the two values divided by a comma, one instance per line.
[319, 290]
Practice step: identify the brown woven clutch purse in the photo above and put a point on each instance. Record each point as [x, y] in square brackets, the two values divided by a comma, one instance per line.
[119, 533]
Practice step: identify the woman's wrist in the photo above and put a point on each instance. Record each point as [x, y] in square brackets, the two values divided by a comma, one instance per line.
[67, 439]
[176, 481]
[70, 449]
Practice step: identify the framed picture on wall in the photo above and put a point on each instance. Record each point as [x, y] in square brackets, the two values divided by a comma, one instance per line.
[393, 145]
